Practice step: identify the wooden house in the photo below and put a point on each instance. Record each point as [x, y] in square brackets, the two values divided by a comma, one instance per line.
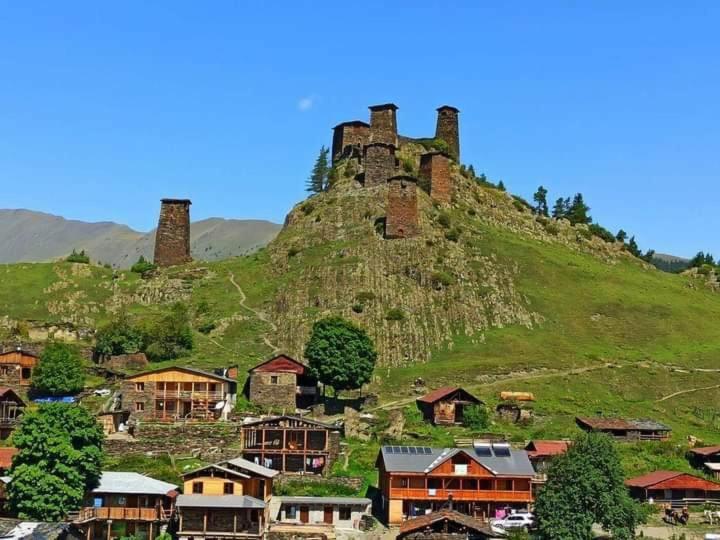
[342, 512]
[541, 453]
[291, 444]
[445, 525]
[446, 405]
[282, 383]
[16, 368]
[178, 393]
[478, 481]
[11, 409]
[225, 500]
[707, 458]
[126, 504]
[626, 430]
[674, 488]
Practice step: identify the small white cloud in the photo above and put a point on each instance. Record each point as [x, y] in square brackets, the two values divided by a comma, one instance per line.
[305, 104]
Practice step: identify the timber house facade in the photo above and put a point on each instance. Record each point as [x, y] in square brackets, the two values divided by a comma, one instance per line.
[445, 406]
[16, 368]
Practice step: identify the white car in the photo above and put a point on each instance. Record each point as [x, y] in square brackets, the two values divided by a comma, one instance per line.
[102, 392]
[513, 521]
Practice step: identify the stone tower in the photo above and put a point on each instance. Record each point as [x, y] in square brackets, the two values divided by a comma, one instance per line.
[401, 220]
[172, 239]
[448, 129]
[349, 138]
[435, 171]
[379, 161]
[383, 124]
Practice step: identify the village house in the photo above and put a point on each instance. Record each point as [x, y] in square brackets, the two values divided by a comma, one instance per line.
[16, 368]
[674, 488]
[126, 504]
[626, 430]
[480, 481]
[178, 393]
[225, 500]
[446, 405]
[11, 409]
[282, 383]
[291, 444]
[444, 525]
[340, 512]
[541, 453]
[707, 458]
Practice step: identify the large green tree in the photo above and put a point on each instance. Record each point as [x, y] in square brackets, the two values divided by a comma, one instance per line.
[59, 459]
[541, 204]
[169, 337]
[119, 336]
[578, 211]
[320, 175]
[59, 372]
[586, 486]
[341, 355]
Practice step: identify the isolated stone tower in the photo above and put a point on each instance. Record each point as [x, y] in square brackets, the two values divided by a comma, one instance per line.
[349, 138]
[448, 129]
[435, 170]
[172, 239]
[379, 161]
[383, 124]
[401, 219]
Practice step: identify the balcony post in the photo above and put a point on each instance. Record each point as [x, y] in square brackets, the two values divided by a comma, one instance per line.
[109, 525]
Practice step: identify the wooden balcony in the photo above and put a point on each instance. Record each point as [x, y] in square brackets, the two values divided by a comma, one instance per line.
[461, 495]
[121, 513]
[251, 531]
[198, 395]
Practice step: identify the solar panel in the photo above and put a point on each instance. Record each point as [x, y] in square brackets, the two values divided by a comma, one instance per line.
[396, 449]
[427, 451]
[413, 450]
[501, 449]
[404, 450]
[388, 449]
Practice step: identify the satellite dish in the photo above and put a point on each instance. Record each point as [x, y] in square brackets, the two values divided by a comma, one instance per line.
[219, 405]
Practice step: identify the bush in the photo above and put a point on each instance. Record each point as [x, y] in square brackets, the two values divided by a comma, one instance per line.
[365, 296]
[521, 204]
[358, 308]
[59, 372]
[453, 234]
[80, 258]
[207, 327]
[444, 220]
[142, 266]
[441, 279]
[307, 207]
[408, 165]
[476, 417]
[601, 232]
[171, 336]
[119, 336]
[294, 250]
[395, 314]
[471, 212]
[552, 228]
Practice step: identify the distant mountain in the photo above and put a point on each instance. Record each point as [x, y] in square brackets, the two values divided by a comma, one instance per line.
[670, 263]
[27, 236]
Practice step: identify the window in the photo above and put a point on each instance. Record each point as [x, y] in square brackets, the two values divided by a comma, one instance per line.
[274, 379]
[345, 513]
[228, 488]
[291, 512]
[26, 373]
[461, 468]
[139, 406]
[139, 386]
[486, 485]
[197, 487]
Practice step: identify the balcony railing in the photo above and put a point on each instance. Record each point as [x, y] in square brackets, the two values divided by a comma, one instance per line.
[121, 513]
[188, 394]
[242, 530]
[462, 495]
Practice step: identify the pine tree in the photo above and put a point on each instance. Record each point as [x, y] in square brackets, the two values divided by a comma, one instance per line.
[318, 180]
[633, 248]
[559, 209]
[540, 198]
[471, 171]
[578, 211]
[621, 236]
[501, 186]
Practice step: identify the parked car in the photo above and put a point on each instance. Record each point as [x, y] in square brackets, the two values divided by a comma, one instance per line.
[518, 520]
[102, 392]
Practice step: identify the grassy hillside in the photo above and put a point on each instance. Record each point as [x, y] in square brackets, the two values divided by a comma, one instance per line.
[492, 299]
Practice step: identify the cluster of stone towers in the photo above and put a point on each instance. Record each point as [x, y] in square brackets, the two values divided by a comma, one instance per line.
[374, 145]
[172, 238]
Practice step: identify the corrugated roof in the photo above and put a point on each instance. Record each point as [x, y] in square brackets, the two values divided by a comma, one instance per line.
[360, 501]
[271, 419]
[252, 467]
[603, 423]
[218, 501]
[422, 522]
[706, 450]
[672, 480]
[186, 369]
[546, 448]
[267, 366]
[132, 483]
[437, 395]
[515, 463]
[6, 455]
[219, 467]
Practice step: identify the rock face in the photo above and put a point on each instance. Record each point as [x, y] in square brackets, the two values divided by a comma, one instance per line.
[379, 161]
[401, 220]
[448, 129]
[435, 170]
[172, 239]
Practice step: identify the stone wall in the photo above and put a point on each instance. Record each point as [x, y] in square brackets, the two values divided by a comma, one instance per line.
[383, 124]
[280, 396]
[172, 239]
[10, 375]
[349, 138]
[131, 397]
[125, 361]
[379, 161]
[448, 129]
[401, 220]
[435, 170]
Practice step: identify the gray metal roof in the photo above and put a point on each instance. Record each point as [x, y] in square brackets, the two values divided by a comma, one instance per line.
[132, 483]
[515, 463]
[359, 501]
[219, 467]
[252, 467]
[218, 501]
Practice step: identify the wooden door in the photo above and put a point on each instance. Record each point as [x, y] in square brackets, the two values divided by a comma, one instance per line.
[304, 514]
[328, 515]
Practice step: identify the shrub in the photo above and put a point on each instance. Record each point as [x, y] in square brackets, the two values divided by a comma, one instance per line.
[441, 279]
[471, 212]
[521, 204]
[552, 228]
[171, 336]
[207, 327]
[395, 314]
[142, 266]
[444, 220]
[476, 417]
[365, 296]
[408, 165]
[453, 234]
[601, 232]
[294, 250]
[80, 258]
[119, 336]
[307, 207]
[358, 307]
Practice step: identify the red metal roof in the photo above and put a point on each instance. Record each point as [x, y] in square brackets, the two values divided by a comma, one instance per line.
[672, 480]
[6, 455]
[281, 364]
[440, 393]
[546, 448]
[706, 450]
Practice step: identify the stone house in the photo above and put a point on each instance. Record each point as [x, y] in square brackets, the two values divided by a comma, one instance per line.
[178, 393]
[282, 383]
[291, 444]
[626, 430]
[446, 405]
[16, 368]
[341, 512]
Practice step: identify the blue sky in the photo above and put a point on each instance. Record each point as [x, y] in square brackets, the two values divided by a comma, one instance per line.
[107, 107]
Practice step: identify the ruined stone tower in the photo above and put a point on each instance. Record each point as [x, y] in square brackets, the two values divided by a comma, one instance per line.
[448, 130]
[383, 124]
[435, 171]
[379, 161]
[349, 138]
[401, 220]
[172, 239]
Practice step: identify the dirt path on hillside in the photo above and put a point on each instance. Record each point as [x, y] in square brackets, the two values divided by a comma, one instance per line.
[258, 314]
[688, 391]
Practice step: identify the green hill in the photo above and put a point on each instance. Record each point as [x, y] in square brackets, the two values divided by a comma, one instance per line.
[487, 296]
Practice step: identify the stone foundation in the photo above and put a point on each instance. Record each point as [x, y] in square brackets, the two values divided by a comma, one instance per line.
[401, 220]
[172, 239]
